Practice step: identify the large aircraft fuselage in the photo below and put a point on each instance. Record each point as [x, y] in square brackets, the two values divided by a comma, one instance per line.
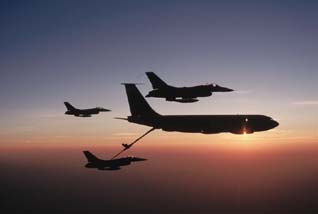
[208, 124]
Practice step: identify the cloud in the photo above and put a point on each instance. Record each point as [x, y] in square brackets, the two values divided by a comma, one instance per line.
[306, 103]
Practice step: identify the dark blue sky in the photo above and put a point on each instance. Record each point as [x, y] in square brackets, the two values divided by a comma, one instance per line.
[80, 51]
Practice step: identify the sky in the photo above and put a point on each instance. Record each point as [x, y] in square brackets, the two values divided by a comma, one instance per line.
[80, 51]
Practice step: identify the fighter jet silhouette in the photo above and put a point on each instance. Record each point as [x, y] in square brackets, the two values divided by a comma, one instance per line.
[71, 110]
[142, 113]
[181, 94]
[113, 164]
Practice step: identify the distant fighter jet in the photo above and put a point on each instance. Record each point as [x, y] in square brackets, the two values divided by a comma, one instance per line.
[71, 110]
[113, 164]
[181, 94]
[142, 113]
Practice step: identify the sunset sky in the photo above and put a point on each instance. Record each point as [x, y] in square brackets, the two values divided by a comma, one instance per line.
[80, 51]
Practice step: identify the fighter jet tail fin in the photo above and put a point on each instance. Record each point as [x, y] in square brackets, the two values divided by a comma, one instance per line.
[156, 82]
[137, 103]
[69, 106]
[90, 157]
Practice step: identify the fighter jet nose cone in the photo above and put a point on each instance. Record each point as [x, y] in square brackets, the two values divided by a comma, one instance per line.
[221, 89]
[139, 159]
[227, 89]
[103, 109]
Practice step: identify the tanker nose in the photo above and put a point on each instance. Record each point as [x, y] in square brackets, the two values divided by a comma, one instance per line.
[274, 123]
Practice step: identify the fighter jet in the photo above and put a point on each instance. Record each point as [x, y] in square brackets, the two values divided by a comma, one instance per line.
[71, 110]
[181, 94]
[113, 164]
[142, 113]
